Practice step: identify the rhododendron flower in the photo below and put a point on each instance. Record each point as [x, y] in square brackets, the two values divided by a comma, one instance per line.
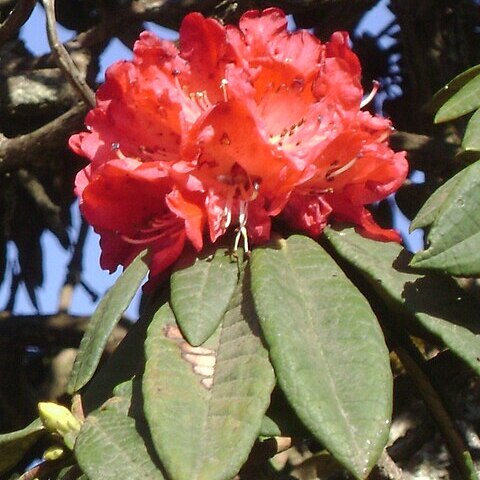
[234, 127]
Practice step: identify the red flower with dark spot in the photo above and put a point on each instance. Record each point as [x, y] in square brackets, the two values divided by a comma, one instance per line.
[234, 127]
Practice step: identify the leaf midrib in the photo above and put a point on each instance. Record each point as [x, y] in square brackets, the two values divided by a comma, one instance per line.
[305, 298]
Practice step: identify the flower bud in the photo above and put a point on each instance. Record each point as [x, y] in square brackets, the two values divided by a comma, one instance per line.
[58, 419]
[53, 453]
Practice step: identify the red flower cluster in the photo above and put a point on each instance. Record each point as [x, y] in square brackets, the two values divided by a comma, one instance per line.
[235, 127]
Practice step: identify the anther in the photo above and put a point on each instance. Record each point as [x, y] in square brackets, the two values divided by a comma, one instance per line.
[256, 189]
[225, 139]
[223, 88]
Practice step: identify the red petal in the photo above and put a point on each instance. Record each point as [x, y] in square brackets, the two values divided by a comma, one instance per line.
[203, 45]
[190, 207]
[165, 252]
[218, 143]
[259, 223]
[260, 27]
[112, 201]
[360, 216]
[340, 78]
[115, 251]
[307, 213]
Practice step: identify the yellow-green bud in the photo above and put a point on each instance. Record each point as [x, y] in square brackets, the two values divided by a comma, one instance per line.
[53, 453]
[58, 419]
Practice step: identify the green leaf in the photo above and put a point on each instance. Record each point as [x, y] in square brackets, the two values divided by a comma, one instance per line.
[14, 445]
[452, 88]
[327, 349]
[455, 234]
[204, 420]
[123, 364]
[434, 205]
[109, 447]
[464, 101]
[471, 139]
[121, 402]
[433, 302]
[201, 289]
[103, 321]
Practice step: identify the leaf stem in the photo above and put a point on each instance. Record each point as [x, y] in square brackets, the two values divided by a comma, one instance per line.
[461, 456]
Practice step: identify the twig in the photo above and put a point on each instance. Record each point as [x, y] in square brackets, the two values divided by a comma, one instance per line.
[16, 279]
[50, 210]
[74, 272]
[57, 330]
[17, 17]
[388, 467]
[63, 59]
[460, 454]
[30, 149]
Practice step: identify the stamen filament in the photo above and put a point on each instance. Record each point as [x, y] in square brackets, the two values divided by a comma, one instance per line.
[227, 215]
[162, 228]
[369, 97]
[223, 88]
[242, 228]
[335, 173]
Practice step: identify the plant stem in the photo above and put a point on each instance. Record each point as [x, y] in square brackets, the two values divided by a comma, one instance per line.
[460, 454]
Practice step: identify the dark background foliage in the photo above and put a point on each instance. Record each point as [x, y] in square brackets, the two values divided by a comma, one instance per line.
[430, 41]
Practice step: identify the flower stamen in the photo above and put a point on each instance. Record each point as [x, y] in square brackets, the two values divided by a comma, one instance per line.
[331, 174]
[242, 228]
[373, 92]
[158, 228]
[227, 214]
[223, 88]
[201, 99]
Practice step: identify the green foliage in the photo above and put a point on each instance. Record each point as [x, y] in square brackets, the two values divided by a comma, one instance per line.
[13, 446]
[460, 96]
[452, 87]
[110, 447]
[201, 291]
[471, 139]
[205, 404]
[454, 237]
[452, 211]
[283, 343]
[325, 342]
[294, 341]
[451, 316]
[181, 411]
[104, 320]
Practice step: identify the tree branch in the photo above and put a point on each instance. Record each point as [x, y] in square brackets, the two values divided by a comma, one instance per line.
[459, 452]
[32, 148]
[18, 16]
[63, 59]
[59, 330]
[50, 211]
